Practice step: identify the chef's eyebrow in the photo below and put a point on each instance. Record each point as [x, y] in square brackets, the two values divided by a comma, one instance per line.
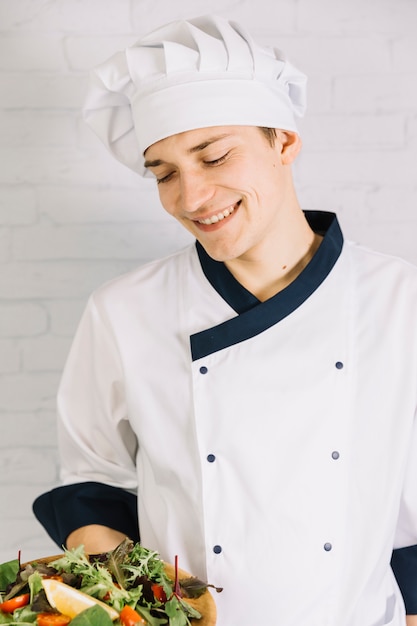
[207, 143]
[197, 148]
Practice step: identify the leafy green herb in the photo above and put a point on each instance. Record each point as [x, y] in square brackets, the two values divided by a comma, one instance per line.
[115, 561]
[147, 562]
[193, 587]
[40, 603]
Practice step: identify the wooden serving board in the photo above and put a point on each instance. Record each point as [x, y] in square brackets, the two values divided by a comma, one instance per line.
[204, 604]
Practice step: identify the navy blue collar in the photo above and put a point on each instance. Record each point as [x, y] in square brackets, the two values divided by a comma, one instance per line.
[254, 316]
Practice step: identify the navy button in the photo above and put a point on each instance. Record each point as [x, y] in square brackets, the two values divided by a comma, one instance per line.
[339, 365]
[203, 370]
[217, 549]
[327, 547]
[211, 458]
[335, 455]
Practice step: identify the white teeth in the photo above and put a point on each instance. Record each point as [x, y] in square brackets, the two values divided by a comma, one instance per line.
[217, 218]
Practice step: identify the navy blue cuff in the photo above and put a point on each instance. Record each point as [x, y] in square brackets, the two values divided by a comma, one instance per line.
[64, 509]
[404, 566]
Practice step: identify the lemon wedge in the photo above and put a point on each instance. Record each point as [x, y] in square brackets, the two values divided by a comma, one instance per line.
[70, 601]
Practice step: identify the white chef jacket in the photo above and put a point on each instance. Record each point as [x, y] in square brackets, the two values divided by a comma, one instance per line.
[274, 451]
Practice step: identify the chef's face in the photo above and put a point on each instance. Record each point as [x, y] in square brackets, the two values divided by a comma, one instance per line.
[228, 185]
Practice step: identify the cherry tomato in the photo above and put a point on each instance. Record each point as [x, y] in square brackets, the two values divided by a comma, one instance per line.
[15, 603]
[129, 617]
[159, 593]
[52, 619]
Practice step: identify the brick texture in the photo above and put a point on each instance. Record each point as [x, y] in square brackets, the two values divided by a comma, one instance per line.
[71, 217]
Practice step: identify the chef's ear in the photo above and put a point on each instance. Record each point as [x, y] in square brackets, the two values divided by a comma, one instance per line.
[290, 144]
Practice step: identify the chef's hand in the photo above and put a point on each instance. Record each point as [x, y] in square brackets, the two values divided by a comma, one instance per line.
[95, 539]
[411, 620]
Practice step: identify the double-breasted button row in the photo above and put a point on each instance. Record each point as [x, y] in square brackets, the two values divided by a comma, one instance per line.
[339, 365]
[217, 549]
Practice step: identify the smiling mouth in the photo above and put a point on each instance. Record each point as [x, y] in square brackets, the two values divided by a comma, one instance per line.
[219, 216]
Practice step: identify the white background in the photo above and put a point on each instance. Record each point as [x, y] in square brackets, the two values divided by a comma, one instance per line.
[71, 217]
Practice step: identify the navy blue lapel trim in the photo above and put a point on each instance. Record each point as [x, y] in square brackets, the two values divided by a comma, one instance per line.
[254, 316]
[236, 296]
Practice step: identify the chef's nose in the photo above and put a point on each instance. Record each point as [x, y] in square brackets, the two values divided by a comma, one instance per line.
[195, 191]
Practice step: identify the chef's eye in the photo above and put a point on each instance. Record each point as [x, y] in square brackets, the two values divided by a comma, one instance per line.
[218, 161]
[164, 179]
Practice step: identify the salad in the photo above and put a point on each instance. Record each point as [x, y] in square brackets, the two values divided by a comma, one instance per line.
[127, 586]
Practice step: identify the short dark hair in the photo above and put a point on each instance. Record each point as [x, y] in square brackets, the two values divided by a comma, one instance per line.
[270, 134]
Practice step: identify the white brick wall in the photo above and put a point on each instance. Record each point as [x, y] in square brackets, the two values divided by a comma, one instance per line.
[71, 217]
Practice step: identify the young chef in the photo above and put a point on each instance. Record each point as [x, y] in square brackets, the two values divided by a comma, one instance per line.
[247, 403]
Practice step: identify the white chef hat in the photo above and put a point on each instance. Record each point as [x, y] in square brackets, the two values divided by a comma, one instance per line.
[190, 74]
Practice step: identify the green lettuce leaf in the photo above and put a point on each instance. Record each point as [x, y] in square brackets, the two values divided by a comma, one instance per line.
[179, 611]
[21, 617]
[8, 573]
[93, 616]
[35, 585]
[25, 615]
[150, 619]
